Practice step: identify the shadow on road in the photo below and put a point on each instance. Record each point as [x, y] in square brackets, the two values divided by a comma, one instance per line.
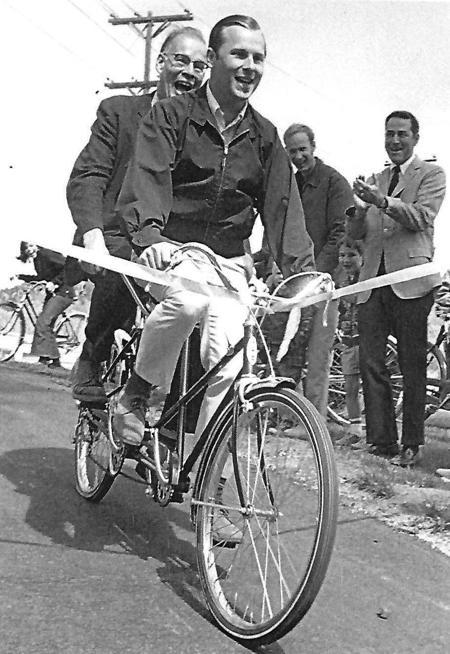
[125, 523]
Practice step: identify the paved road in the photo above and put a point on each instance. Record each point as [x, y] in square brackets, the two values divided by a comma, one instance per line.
[120, 577]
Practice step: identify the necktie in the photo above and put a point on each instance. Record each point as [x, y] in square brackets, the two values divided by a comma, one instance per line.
[394, 179]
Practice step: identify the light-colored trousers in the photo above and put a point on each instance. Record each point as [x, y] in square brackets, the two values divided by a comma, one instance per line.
[318, 356]
[220, 317]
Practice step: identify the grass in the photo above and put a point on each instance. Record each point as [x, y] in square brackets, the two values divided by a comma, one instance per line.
[414, 499]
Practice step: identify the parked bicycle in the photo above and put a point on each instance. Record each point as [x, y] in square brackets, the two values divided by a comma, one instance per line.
[437, 384]
[69, 326]
[278, 492]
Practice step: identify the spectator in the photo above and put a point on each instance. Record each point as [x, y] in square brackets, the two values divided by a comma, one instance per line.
[325, 196]
[350, 262]
[394, 215]
[59, 296]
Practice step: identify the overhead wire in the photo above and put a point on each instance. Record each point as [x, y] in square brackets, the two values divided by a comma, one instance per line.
[89, 17]
[86, 62]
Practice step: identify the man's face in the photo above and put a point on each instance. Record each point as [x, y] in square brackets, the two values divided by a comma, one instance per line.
[182, 66]
[399, 140]
[238, 65]
[300, 151]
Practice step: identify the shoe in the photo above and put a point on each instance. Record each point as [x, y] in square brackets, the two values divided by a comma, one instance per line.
[444, 473]
[55, 363]
[408, 457]
[224, 532]
[128, 421]
[86, 386]
[299, 431]
[383, 451]
[350, 439]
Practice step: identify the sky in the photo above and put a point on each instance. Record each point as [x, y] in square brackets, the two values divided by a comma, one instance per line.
[339, 66]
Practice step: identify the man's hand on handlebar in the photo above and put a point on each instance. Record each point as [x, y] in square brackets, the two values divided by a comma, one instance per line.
[94, 241]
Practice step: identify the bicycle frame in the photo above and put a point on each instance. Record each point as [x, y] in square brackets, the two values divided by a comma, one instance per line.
[247, 345]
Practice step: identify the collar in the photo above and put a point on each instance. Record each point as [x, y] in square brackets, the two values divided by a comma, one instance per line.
[313, 178]
[218, 113]
[404, 166]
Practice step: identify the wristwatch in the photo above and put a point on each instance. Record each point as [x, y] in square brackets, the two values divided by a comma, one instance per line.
[384, 205]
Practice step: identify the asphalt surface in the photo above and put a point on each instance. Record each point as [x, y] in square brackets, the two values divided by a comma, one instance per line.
[120, 577]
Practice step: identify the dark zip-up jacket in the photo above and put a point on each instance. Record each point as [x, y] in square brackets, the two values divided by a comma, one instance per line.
[185, 184]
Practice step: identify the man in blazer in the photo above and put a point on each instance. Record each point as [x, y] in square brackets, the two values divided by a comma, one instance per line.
[394, 215]
[93, 189]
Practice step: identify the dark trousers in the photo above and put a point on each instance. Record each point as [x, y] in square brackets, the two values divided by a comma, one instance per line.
[111, 308]
[44, 341]
[383, 314]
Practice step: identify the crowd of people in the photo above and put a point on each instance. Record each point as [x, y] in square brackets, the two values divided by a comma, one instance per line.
[195, 162]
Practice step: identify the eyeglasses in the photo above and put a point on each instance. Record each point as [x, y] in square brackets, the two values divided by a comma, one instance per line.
[180, 60]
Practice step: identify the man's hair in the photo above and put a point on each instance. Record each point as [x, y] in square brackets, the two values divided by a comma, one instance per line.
[406, 115]
[297, 128]
[181, 31]
[351, 244]
[216, 36]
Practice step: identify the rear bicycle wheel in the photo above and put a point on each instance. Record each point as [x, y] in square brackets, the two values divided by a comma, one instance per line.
[69, 332]
[98, 457]
[337, 407]
[266, 516]
[436, 377]
[12, 330]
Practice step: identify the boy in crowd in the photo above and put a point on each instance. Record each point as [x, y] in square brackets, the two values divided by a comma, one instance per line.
[350, 262]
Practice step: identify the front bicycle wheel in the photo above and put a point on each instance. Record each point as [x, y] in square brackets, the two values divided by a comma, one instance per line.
[266, 514]
[12, 330]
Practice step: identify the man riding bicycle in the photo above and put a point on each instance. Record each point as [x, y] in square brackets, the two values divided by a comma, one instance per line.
[205, 164]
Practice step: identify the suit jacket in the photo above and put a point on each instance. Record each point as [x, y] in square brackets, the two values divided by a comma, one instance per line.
[100, 168]
[404, 231]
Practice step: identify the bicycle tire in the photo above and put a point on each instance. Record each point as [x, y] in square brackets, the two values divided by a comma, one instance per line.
[238, 583]
[12, 330]
[69, 331]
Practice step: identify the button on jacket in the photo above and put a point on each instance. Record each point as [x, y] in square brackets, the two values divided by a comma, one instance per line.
[185, 184]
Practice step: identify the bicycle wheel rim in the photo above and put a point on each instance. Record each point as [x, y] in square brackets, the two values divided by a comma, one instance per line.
[12, 330]
[261, 587]
[93, 456]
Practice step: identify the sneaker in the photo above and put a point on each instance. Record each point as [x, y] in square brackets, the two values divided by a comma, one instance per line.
[87, 386]
[409, 457]
[128, 420]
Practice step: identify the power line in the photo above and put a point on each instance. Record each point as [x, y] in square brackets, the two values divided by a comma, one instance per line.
[87, 63]
[101, 28]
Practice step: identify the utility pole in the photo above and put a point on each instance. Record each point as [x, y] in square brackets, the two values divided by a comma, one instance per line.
[147, 33]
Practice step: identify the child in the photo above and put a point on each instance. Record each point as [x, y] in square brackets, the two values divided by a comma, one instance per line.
[350, 261]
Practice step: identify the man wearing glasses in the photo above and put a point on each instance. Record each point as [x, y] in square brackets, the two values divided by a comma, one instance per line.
[205, 163]
[94, 186]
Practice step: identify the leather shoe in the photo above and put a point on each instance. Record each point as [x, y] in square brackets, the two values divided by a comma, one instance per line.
[408, 457]
[86, 385]
[383, 451]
